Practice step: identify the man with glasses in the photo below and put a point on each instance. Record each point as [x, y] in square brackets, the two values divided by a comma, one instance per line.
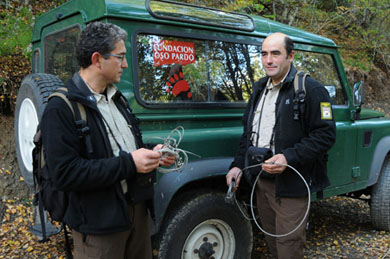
[109, 183]
[299, 141]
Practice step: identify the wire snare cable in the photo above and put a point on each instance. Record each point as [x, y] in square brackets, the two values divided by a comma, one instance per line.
[171, 147]
[252, 195]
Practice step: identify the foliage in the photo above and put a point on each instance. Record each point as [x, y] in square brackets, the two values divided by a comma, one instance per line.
[16, 238]
[340, 227]
[16, 31]
[360, 27]
[15, 37]
[13, 68]
[16, 24]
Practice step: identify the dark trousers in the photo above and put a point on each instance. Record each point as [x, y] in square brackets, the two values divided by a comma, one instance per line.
[131, 244]
[280, 216]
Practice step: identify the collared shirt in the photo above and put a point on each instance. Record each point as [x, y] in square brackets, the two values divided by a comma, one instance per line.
[264, 119]
[119, 132]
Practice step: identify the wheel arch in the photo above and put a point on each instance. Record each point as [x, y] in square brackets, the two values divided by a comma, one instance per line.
[382, 150]
[197, 175]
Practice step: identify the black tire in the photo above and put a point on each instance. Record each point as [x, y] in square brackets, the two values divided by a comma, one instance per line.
[205, 227]
[380, 199]
[32, 98]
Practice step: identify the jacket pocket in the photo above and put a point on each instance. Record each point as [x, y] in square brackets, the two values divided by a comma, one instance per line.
[105, 212]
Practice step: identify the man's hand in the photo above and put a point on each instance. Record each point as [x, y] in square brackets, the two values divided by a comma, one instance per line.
[273, 166]
[165, 160]
[146, 160]
[234, 173]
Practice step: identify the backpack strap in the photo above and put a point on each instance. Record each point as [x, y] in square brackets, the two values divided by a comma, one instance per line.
[42, 217]
[300, 93]
[298, 107]
[81, 124]
[68, 248]
[79, 111]
[62, 93]
[79, 114]
[38, 162]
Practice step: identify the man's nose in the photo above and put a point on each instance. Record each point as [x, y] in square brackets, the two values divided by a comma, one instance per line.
[124, 63]
[269, 59]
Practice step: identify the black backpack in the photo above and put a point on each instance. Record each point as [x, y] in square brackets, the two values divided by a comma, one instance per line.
[47, 197]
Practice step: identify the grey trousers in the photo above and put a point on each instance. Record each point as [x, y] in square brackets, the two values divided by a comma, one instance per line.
[131, 244]
[280, 216]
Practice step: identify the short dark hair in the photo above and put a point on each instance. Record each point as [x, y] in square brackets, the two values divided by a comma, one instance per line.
[289, 44]
[98, 37]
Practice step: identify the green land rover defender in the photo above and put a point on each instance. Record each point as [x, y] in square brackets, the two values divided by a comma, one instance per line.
[194, 67]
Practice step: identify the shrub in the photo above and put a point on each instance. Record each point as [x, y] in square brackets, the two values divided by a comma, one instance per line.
[16, 31]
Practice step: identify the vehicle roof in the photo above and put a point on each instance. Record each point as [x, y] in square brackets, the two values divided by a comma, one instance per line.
[136, 10]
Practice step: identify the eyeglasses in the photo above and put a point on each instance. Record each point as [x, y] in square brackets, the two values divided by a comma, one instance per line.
[121, 57]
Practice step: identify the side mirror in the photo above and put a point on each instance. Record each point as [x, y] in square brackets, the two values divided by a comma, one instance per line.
[358, 93]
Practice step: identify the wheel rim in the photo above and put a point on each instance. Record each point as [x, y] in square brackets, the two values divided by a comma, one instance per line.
[27, 126]
[212, 238]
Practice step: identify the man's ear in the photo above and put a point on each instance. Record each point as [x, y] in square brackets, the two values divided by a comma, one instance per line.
[96, 59]
[291, 55]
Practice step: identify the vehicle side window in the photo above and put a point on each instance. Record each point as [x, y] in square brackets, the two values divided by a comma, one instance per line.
[59, 49]
[172, 70]
[321, 67]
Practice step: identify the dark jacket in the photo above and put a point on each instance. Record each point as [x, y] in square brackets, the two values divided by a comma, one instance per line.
[303, 142]
[97, 204]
